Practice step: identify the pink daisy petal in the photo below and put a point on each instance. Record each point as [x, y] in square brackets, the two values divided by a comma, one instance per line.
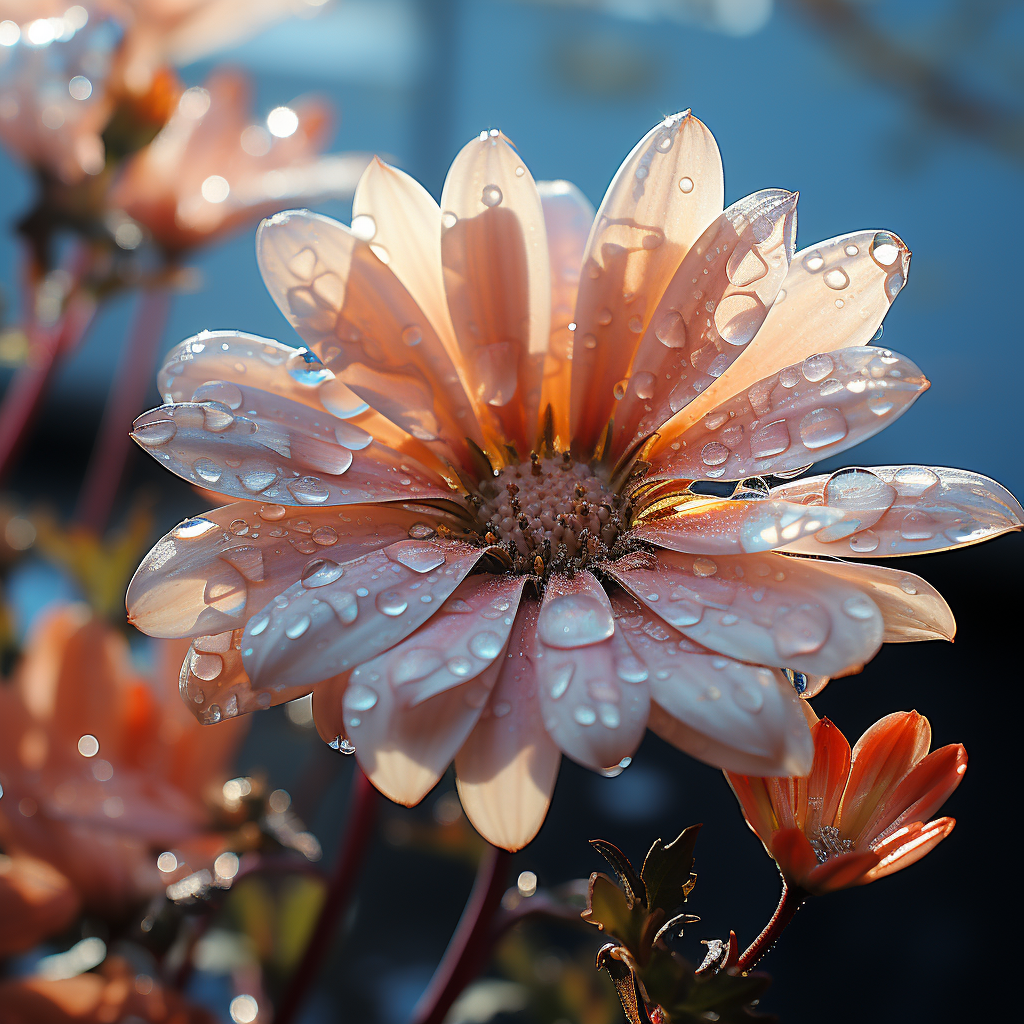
[697, 331]
[344, 301]
[804, 413]
[593, 692]
[740, 717]
[496, 277]
[766, 609]
[667, 191]
[341, 616]
[210, 573]
[568, 219]
[506, 769]
[904, 510]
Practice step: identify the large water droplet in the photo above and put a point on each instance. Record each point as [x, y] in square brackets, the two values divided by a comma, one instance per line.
[486, 645]
[585, 715]
[671, 330]
[560, 677]
[309, 490]
[686, 185]
[817, 367]
[801, 630]
[297, 628]
[219, 391]
[836, 278]
[884, 249]
[155, 433]
[491, 195]
[342, 745]
[770, 439]
[339, 400]
[359, 697]
[714, 453]
[306, 367]
[918, 526]
[859, 606]
[416, 555]
[319, 572]
[864, 542]
[207, 470]
[206, 666]
[391, 602]
[412, 335]
[574, 620]
[738, 318]
[822, 427]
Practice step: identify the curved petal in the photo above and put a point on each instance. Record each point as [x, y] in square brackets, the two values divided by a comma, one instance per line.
[341, 616]
[342, 298]
[835, 296]
[568, 218]
[36, 901]
[280, 451]
[909, 845]
[765, 609]
[796, 417]
[832, 758]
[794, 854]
[711, 309]
[734, 527]
[329, 712]
[743, 718]
[904, 510]
[247, 359]
[593, 692]
[506, 769]
[750, 790]
[840, 872]
[495, 258]
[211, 573]
[667, 191]
[410, 709]
[395, 213]
[882, 758]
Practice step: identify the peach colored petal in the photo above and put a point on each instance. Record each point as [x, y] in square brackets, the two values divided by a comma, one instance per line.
[496, 276]
[506, 769]
[328, 709]
[409, 710]
[840, 872]
[568, 218]
[794, 418]
[794, 854]
[882, 758]
[912, 609]
[742, 717]
[332, 621]
[280, 451]
[765, 609]
[921, 793]
[36, 901]
[828, 776]
[904, 510]
[739, 264]
[752, 793]
[907, 846]
[713, 526]
[345, 302]
[789, 800]
[211, 573]
[823, 306]
[667, 191]
[593, 692]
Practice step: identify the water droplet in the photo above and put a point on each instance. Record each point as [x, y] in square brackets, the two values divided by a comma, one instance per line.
[491, 195]
[770, 439]
[257, 477]
[310, 490]
[207, 470]
[155, 433]
[789, 376]
[635, 324]
[239, 527]
[913, 481]
[817, 367]
[864, 541]
[342, 745]
[486, 645]
[836, 278]
[801, 630]
[391, 602]
[908, 586]
[364, 227]
[880, 404]
[219, 391]
[643, 384]
[714, 454]
[448, 220]
[297, 628]
[918, 526]
[851, 250]
[325, 536]
[319, 572]
[421, 531]
[822, 427]
[306, 367]
[412, 335]
[191, 528]
[671, 331]
[561, 676]
[686, 185]
[884, 249]
[859, 607]
[416, 555]
[360, 698]
[272, 513]
[574, 620]
[585, 715]
[704, 567]
[459, 666]
[339, 400]
[813, 262]
[748, 697]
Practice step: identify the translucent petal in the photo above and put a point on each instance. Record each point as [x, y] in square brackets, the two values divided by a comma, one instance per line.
[506, 769]
[568, 218]
[716, 527]
[593, 690]
[835, 296]
[667, 191]
[750, 790]
[766, 609]
[273, 449]
[839, 872]
[828, 776]
[214, 684]
[742, 717]
[711, 309]
[904, 510]
[495, 258]
[411, 708]
[798, 416]
[211, 573]
[342, 298]
[324, 625]
[908, 845]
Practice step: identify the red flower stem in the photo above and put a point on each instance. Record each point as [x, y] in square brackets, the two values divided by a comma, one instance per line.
[470, 946]
[358, 832]
[790, 902]
[127, 390]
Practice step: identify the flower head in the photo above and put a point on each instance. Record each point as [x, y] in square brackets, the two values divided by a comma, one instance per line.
[102, 770]
[483, 514]
[857, 816]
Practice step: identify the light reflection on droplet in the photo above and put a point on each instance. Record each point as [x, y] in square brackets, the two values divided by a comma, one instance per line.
[526, 883]
[226, 865]
[88, 745]
[282, 122]
[167, 862]
[215, 189]
[243, 1009]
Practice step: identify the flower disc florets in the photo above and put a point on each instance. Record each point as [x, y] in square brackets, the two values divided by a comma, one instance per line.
[552, 515]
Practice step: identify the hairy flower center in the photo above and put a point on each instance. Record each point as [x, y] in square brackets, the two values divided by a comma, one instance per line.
[828, 843]
[552, 515]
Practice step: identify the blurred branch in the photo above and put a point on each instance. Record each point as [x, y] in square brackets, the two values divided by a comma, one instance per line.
[921, 79]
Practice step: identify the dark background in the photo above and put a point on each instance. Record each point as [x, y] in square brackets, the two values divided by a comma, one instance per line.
[870, 141]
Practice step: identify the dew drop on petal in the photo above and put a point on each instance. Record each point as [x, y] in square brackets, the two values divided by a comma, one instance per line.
[155, 433]
[319, 572]
[574, 620]
[306, 367]
[222, 391]
[486, 645]
[836, 278]
[714, 453]
[491, 195]
[859, 606]
[686, 185]
[817, 367]
[391, 602]
[360, 698]
[822, 427]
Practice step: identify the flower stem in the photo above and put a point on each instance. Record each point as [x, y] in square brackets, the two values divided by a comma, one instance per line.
[110, 453]
[790, 902]
[358, 832]
[469, 947]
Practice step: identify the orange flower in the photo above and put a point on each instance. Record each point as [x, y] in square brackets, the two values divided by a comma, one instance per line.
[856, 817]
[36, 900]
[102, 769]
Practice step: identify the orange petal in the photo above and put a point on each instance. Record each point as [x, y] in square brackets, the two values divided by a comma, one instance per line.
[882, 758]
[755, 802]
[667, 191]
[496, 276]
[828, 776]
[794, 854]
[840, 872]
[909, 845]
[36, 901]
[506, 769]
[697, 331]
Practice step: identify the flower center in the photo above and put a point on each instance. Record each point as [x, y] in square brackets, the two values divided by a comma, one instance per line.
[828, 843]
[552, 515]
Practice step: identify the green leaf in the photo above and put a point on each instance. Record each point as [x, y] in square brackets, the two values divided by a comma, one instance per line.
[609, 909]
[668, 871]
[628, 878]
[721, 993]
